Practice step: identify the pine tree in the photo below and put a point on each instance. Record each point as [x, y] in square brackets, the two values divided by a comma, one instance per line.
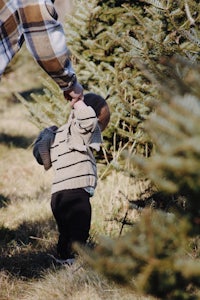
[47, 108]
[151, 259]
[174, 131]
[132, 48]
[111, 39]
[161, 254]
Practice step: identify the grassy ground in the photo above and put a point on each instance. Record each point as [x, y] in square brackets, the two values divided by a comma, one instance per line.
[27, 229]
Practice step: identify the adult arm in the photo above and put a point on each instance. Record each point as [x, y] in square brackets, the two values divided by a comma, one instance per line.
[45, 39]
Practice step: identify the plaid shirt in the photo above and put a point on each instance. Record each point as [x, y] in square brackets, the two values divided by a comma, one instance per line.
[35, 21]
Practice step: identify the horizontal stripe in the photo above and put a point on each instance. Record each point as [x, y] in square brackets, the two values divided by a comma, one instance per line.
[73, 177]
[84, 119]
[54, 146]
[59, 131]
[67, 152]
[74, 164]
[86, 131]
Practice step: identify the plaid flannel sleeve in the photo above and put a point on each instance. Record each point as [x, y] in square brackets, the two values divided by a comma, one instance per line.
[46, 41]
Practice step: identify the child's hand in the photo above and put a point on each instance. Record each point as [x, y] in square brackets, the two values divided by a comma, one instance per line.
[75, 94]
[75, 100]
[79, 104]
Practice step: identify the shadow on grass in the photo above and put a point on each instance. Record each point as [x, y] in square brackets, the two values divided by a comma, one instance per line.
[27, 94]
[4, 201]
[18, 141]
[24, 251]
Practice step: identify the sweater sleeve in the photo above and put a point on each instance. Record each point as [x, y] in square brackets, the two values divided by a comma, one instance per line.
[85, 121]
[84, 132]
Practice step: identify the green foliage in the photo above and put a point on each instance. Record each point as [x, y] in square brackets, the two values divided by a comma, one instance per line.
[47, 108]
[110, 40]
[130, 50]
[101, 50]
[17, 62]
[152, 258]
[174, 131]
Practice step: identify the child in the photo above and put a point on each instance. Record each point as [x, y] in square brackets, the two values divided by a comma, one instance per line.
[75, 174]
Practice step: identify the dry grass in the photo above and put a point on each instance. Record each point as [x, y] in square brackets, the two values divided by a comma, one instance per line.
[27, 229]
[25, 78]
[76, 283]
[10, 286]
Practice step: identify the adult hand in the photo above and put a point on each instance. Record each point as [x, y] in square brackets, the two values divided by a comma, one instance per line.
[74, 94]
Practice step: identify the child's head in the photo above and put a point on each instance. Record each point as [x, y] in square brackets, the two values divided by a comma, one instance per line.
[100, 107]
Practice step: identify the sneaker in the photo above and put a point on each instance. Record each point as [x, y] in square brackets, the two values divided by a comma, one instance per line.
[68, 261]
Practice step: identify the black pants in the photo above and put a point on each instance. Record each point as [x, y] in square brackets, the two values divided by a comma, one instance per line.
[72, 212]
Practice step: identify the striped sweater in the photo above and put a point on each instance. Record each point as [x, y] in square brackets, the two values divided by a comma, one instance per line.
[71, 155]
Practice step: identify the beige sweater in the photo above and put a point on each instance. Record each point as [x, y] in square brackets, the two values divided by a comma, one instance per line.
[71, 155]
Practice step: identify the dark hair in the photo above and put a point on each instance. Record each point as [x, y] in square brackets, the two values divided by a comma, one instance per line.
[100, 107]
[95, 101]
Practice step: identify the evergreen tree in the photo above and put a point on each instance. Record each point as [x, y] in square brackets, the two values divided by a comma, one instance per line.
[130, 49]
[174, 131]
[111, 39]
[152, 259]
[161, 254]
